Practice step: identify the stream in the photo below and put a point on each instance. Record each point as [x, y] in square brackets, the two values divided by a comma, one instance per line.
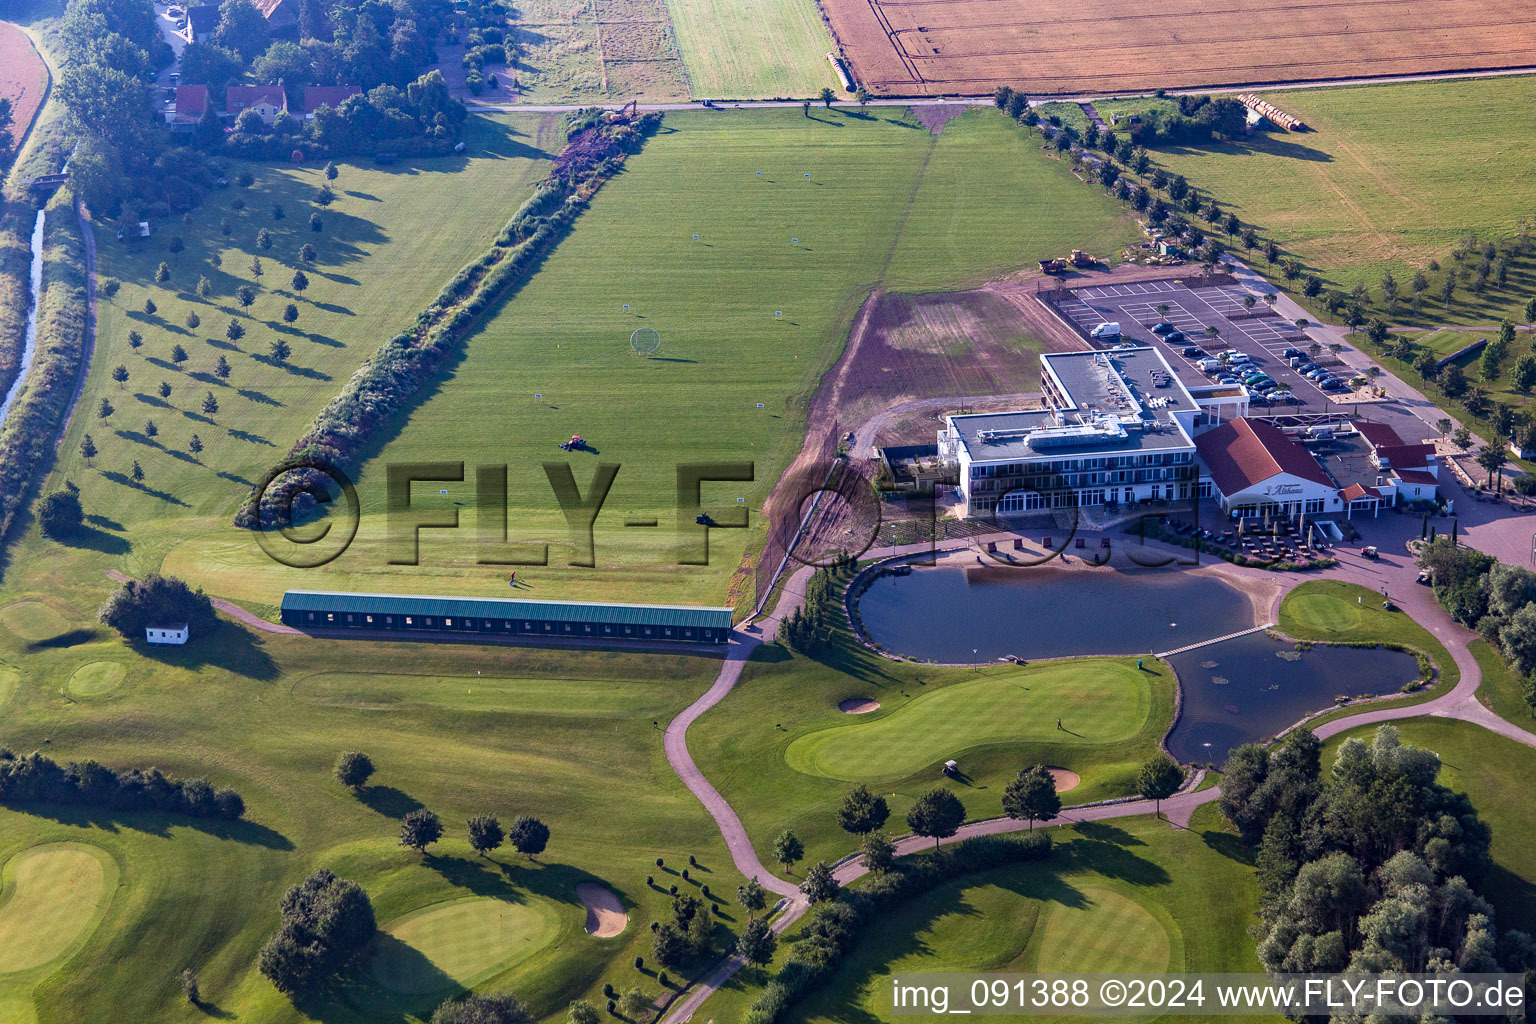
[29, 344]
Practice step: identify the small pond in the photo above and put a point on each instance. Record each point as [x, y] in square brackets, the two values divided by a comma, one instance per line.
[969, 615]
[1251, 687]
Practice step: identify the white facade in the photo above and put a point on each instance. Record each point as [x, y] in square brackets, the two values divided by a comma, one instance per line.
[175, 633]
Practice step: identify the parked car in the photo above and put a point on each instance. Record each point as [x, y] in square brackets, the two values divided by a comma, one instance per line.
[1260, 400]
[1194, 352]
[1292, 353]
[1305, 368]
[1163, 328]
[1175, 337]
[1334, 384]
[1108, 330]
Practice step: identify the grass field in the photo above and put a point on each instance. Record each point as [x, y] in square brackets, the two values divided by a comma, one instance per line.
[1127, 896]
[606, 51]
[1110, 701]
[1494, 772]
[1391, 178]
[808, 237]
[204, 894]
[1502, 690]
[747, 49]
[782, 753]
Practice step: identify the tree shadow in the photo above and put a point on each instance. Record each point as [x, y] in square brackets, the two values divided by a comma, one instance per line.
[156, 823]
[1228, 845]
[91, 539]
[126, 481]
[246, 435]
[71, 638]
[259, 397]
[231, 647]
[389, 801]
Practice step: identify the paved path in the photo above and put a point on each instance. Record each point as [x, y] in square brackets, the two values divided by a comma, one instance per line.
[234, 611]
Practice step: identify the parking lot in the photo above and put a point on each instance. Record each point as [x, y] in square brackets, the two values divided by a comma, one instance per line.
[1194, 311]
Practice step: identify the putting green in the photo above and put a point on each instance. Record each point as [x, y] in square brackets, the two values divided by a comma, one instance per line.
[1098, 700]
[1106, 933]
[54, 894]
[96, 678]
[549, 696]
[32, 620]
[458, 943]
[1323, 612]
[9, 677]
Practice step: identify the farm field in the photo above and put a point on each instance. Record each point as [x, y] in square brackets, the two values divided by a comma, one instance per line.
[1131, 895]
[773, 745]
[1391, 178]
[968, 48]
[605, 51]
[1492, 771]
[757, 49]
[808, 237]
[90, 890]
[23, 78]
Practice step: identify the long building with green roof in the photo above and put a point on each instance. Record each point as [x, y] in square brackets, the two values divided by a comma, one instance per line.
[328, 610]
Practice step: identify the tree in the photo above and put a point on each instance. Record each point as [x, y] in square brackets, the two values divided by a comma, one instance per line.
[87, 449]
[529, 836]
[210, 404]
[150, 307]
[135, 339]
[1443, 425]
[1453, 381]
[120, 374]
[241, 30]
[862, 95]
[164, 388]
[263, 239]
[636, 1005]
[1492, 458]
[1523, 376]
[787, 849]
[307, 253]
[189, 987]
[327, 924]
[353, 768]
[195, 445]
[936, 815]
[162, 272]
[819, 884]
[299, 281]
[281, 351]
[290, 313]
[1159, 779]
[59, 514]
[178, 354]
[878, 851]
[104, 409]
[193, 321]
[150, 430]
[154, 599]
[757, 943]
[245, 295]
[256, 268]
[235, 330]
[1291, 270]
[827, 96]
[752, 897]
[1530, 311]
[583, 1012]
[1462, 438]
[221, 369]
[419, 829]
[331, 170]
[1032, 796]
[498, 1008]
[485, 833]
[862, 811]
[316, 223]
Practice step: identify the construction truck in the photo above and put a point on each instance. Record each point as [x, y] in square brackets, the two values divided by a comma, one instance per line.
[1053, 266]
[1082, 259]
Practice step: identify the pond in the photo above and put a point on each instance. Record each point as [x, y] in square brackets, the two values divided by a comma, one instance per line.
[1249, 688]
[968, 615]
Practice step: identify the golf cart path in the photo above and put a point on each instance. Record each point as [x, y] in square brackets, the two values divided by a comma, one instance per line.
[1392, 573]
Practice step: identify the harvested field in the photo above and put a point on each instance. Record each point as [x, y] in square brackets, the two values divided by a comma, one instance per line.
[23, 78]
[931, 47]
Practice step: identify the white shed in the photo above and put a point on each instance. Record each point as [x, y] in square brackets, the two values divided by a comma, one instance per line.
[170, 633]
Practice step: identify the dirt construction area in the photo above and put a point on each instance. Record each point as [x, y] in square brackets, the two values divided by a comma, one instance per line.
[934, 47]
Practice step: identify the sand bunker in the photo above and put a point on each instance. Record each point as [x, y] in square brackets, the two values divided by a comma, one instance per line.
[605, 914]
[1064, 779]
[858, 706]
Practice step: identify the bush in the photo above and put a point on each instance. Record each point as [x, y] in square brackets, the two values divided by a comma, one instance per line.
[157, 600]
[59, 515]
[37, 778]
[484, 1009]
[327, 923]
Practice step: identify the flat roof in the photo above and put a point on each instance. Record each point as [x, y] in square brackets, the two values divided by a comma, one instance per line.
[698, 616]
[1012, 437]
[1120, 382]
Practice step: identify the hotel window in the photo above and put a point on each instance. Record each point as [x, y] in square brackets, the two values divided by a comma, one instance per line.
[330, 617]
[447, 622]
[408, 620]
[368, 619]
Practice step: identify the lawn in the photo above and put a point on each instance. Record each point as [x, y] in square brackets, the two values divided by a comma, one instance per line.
[1131, 896]
[1495, 773]
[204, 895]
[1502, 690]
[783, 754]
[794, 216]
[1390, 178]
[753, 49]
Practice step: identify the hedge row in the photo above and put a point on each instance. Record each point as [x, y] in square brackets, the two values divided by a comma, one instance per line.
[384, 385]
[834, 927]
[27, 436]
[37, 778]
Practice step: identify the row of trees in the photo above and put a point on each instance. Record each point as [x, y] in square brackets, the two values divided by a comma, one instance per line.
[1373, 867]
[37, 778]
[812, 626]
[1494, 598]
